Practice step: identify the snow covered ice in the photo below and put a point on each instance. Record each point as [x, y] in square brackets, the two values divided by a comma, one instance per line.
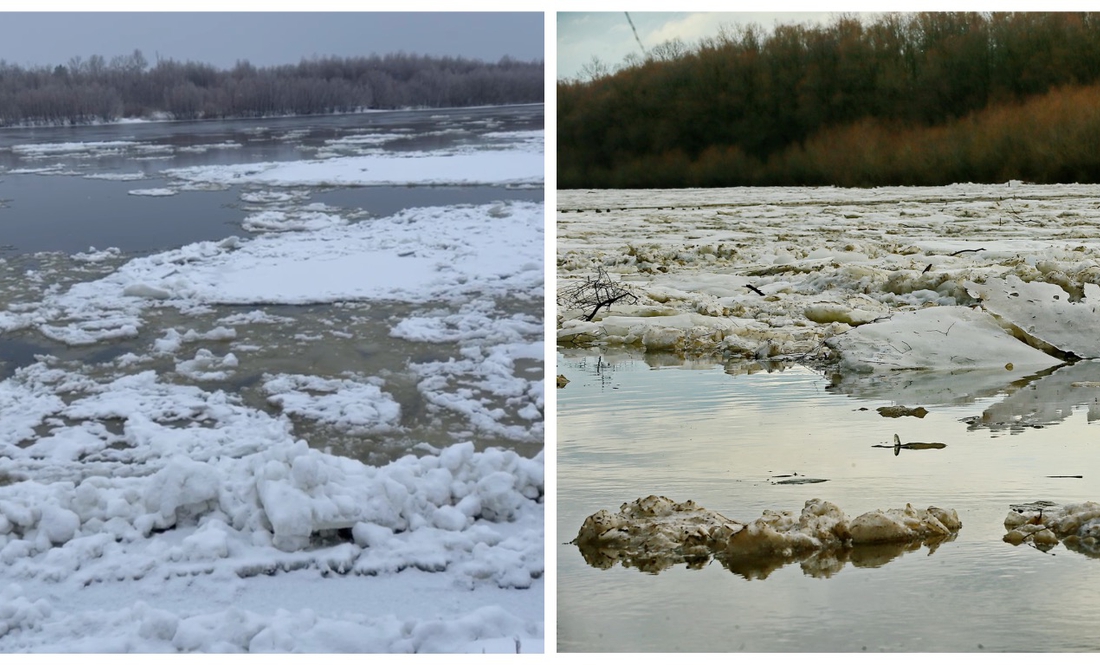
[189, 492]
[990, 283]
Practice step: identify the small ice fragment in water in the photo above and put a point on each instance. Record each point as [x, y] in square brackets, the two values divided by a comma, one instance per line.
[656, 533]
[1044, 524]
[899, 411]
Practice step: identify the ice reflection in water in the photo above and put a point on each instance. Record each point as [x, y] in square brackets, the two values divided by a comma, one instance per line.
[632, 425]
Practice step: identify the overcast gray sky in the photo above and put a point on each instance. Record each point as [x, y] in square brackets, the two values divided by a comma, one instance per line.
[607, 35]
[220, 39]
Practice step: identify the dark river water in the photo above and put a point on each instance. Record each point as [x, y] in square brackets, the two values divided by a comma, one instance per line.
[70, 204]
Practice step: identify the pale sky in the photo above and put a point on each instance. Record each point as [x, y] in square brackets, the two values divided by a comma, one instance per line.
[607, 35]
[267, 38]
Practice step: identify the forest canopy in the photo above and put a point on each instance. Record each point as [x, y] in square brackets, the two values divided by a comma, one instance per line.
[97, 90]
[908, 99]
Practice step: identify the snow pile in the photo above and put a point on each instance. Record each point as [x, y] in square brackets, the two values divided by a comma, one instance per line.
[1044, 525]
[656, 533]
[194, 484]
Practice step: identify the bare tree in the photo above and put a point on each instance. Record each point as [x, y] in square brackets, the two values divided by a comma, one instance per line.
[594, 294]
[594, 69]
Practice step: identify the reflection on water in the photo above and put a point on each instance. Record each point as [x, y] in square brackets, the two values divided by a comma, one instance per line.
[631, 425]
[827, 563]
[1048, 400]
[1022, 400]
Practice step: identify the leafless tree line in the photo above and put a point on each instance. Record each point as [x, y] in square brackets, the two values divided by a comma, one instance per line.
[736, 105]
[97, 90]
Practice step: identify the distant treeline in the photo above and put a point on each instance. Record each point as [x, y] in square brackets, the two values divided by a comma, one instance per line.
[95, 90]
[925, 98]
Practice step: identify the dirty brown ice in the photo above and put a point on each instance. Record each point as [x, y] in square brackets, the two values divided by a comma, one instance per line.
[656, 533]
[1044, 524]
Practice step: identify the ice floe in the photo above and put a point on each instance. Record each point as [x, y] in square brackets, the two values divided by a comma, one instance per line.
[656, 533]
[155, 191]
[353, 406]
[417, 255]
[1043, 525]
[936, 338]
[80, 148]
[1061, 315]
[495, 167]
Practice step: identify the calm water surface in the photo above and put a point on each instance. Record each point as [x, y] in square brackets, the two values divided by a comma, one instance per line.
[631, 425]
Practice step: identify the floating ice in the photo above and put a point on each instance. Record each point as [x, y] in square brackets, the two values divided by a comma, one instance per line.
[135, 508]
[1047, 312]
[352, 406]
[416, 255]
[155, 191]
[38, 150]
[935, 338]
[1044, 525]
[655, 533]
[486, 167]
[1048, 400]
[206, 366]
[122, 177]
[276, 220]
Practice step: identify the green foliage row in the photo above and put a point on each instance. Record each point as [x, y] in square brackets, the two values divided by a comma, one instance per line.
[925, 98]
